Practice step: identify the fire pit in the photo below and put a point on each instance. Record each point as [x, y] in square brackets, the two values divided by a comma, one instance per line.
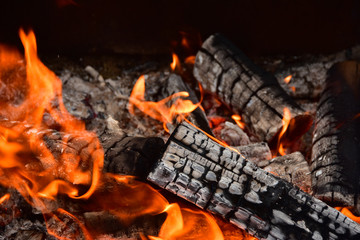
[212, 146]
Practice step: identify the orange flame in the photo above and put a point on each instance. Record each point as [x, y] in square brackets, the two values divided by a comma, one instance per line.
[190, 60]
[348, 213]
[160, 110]
[43, 97]
[238, 121]
[4, 198]
[185, 223]
[285, 124]
[175, 64]
[288, 79]
[27, 164]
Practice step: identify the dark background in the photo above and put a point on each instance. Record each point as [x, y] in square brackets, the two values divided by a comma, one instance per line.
[259, 27]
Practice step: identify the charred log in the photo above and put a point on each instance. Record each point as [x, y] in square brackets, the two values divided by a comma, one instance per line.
[335, 161]
[223, 69]
[131, 155]
[221, 181]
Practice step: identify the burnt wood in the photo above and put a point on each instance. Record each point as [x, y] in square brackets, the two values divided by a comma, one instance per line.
[258, 153]
[250, 91]
[335, 163]
[293, 168]
[130, 155]
[221, 181]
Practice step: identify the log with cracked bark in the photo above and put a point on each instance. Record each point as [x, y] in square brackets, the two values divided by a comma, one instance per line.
[335, 163]
[221, 181]
[250, 91]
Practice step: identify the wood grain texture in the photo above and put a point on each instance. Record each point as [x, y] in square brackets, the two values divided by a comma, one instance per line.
[221, 181]
[335, 163]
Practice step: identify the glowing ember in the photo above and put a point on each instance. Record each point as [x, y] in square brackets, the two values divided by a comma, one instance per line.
[285, 124]
[160, 111]
[215, 121]
[238, 121]
[35, 112]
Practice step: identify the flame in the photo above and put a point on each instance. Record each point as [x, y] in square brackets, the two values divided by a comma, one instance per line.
[215, 121]
[160, 110]
[288, 79]
[175, 64]
[4, 198]
[190, 60]
[185, 223]
[346, 211]
[42, 98]
[30, 114]
[237, 119]
[285, 124]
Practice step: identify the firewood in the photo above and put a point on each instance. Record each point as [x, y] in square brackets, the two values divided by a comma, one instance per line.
[335, 163]
[221, 181]
[250, 91]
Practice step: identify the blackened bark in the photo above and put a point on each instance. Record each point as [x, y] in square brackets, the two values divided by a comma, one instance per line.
[221, 181]
[223, 69]
[335, 161]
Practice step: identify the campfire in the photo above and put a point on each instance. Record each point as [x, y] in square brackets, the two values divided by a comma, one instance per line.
[211, 146]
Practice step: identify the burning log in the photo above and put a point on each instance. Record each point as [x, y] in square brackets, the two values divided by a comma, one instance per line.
[221, 181]
[223, 69]
[335, 163]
